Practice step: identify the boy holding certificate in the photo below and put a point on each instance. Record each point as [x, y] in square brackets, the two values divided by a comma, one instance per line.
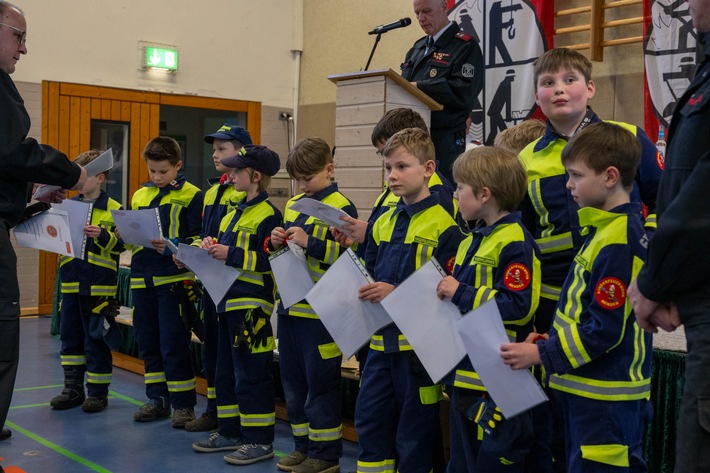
[244, 378]
[309, 358]
[498, 261]
[397, 412]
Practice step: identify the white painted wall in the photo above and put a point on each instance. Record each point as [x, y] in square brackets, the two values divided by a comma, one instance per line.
[233, 49]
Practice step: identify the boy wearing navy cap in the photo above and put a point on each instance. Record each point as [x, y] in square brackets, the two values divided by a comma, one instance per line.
[220, 198]
[244, 377]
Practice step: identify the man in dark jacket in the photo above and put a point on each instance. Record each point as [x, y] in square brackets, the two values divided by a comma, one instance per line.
[447, 65]
[672, 288]
[22, 161]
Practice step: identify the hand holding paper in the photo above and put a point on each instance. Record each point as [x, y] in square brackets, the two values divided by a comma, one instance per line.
[326, 213]
[520, 356]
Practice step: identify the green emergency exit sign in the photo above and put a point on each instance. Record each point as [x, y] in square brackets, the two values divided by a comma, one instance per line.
[161, 58]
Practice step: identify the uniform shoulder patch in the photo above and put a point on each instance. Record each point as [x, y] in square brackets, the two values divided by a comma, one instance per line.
[610, 293]
[517, 277]
[463, 36]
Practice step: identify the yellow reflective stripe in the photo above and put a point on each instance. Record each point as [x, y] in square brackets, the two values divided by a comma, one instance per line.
[602, 390]
[536, 199]
[611, 454]
[106, 291]
[174, 230]
[377, 343]
[302, 310]
[181, 386]
[138, 283]
[156, 377]
[329, 350]
[102, 261]
[384, 466]
[468, 380]
[512, 335]
[211, 392]
[299, 430]
[73, 360]
[325, 435]
[252, 277]
[243, 303]
[431, 394]
[550, 292]
[162, 280]
[555, 243]
[70, 287]
[224, 412]
[98, 378]
[483, 295]
[650, 221]
[332, 251]
[258, 420]
[423, 255]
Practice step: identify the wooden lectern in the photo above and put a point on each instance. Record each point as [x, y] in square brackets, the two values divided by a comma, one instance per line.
[361, 100]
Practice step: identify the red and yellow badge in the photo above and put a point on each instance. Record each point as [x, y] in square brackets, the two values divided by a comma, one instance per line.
[517, 277]
[52, 231]
[450, 265]
[610, 293]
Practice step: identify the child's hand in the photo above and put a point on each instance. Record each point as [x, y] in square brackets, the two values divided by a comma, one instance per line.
[447, 288]
[207, 243]
[375, 292]
[178, 263]
[534, 336]
[357, 228]
[158, 245]
[92, 231]
[341, 238]
[219, 251]
[278, 236]
[520, 355]
[297, 235]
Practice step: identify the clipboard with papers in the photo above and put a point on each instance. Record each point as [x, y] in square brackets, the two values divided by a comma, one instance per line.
[138, 227]
[103, 162]
[291, 273]
[324, 212]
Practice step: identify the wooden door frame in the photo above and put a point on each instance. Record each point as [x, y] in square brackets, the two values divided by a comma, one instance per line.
[67, 112]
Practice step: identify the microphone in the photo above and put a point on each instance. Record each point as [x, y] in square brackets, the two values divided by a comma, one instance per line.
[391, 26]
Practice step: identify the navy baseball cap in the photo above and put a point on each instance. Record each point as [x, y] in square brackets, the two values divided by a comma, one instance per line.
[230, 132]
[256, 157]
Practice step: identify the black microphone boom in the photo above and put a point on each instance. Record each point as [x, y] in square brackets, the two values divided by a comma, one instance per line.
[391, 26]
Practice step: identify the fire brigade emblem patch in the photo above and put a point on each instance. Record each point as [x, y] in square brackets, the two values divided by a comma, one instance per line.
[450, 265]
[52, 231]
[517, 277]
[610, 293]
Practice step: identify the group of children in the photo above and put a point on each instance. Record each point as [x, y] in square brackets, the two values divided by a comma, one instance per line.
[555, 236]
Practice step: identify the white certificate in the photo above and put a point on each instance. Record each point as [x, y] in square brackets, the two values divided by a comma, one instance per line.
[327, 213]
[48, 231]
[482, 332]
[428, 322]
[102, 163]
[291, 273]
[216, 276]
[138, 227]
[349, 320]
[79, 217]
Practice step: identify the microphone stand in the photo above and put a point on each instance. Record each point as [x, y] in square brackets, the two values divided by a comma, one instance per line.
[372, 53]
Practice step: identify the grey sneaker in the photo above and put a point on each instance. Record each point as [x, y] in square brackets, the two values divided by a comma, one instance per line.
[217, 443]
[313, 465]
[289, 461]
[153, 410]
[182, 417]
[250, 453]
[204, 423]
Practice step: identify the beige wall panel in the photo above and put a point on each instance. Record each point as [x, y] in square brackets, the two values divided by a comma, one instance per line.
[274, 132]
[366, 178]
[357, 156]
[317, 120]
[359, 114]
[365, 91]
[359, 135]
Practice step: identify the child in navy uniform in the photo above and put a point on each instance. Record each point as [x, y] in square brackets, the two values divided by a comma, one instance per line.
[88, 301]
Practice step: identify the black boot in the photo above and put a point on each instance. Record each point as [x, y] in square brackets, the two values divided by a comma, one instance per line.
[73, 392]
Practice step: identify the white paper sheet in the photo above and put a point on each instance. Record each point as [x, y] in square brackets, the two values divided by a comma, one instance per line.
[350, 321]
[327, 213]
[291, 274]
[482, 332]
[215, 276]
[79, 217]
[47, 231]
[428, 322]
[102, 163]
[138, 227]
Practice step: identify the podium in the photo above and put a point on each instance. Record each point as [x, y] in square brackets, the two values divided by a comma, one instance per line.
[361, 100]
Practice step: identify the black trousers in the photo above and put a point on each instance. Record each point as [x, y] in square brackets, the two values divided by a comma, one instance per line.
[9, 321]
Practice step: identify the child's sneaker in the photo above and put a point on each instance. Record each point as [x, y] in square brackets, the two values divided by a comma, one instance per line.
[153, 410]
[313, 465]
[217, 443]
[250, 453]
[204, 423]
[292, 459]
[182, 417]
[94, 404]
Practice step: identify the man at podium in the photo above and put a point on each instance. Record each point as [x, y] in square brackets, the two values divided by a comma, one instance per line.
[447, 65]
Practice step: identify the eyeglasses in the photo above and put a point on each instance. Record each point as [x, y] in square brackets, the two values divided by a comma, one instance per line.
[21, 35]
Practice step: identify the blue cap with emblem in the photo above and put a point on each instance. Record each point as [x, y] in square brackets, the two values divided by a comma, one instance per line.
[230, 132]
[256, 157]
